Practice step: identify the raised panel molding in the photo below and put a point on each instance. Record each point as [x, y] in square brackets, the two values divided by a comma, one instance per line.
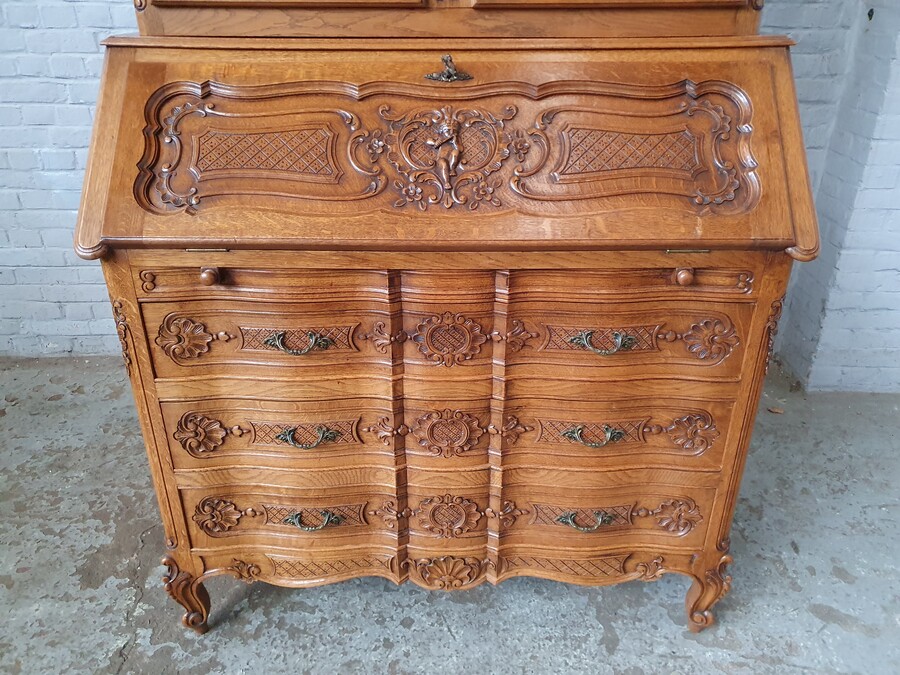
[499, 147]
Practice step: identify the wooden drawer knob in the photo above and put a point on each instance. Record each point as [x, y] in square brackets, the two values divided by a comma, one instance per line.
[684, 276]
[210, 276]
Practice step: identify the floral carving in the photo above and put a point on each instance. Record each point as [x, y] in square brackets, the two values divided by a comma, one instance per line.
[447, 432]
[695, 432]
[449, 339]
[214, 515]
[380, 337]
[678, 516]
[446, 156]
[447, 516]
[244, 571]
[122, 332]
[507, 515]
[711, 339]
[650, 570]
[511, 431]
[518, 337]
[389, 514]
[448, 573]
[199, 434]
[183, 338]
[385, 431]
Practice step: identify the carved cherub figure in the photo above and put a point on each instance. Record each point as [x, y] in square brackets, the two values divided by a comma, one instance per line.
[448, 150]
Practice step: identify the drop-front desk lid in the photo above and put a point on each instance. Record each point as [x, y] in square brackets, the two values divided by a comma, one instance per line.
[360, 144]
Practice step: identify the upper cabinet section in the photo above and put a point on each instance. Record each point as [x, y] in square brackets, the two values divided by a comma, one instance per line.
[690, 146]
[402, 19]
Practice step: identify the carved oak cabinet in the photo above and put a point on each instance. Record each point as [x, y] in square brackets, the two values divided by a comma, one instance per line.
[447, 291]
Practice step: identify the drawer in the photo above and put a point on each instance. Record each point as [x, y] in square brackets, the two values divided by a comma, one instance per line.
[309, 566]
[260, 516]
[638, 339]
[616, 148]
[639, 514]
[309, 435]
[632, 432]
[241, 339]
[660, 283]
[315, 290]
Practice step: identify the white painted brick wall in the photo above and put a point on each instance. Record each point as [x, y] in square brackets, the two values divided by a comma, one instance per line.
[52, 302]
[50, 60]
[841, 329]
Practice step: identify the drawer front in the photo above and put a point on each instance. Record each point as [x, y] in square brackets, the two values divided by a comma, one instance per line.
[629, 339]
[633, 432]
[259, 517]
[223, 432]
[628, 515]
[315, 290]
[307, 567]
[202, 337]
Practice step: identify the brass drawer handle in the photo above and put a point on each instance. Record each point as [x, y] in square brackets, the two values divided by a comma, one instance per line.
[316, 342]
[328, 518]
[601, 517]
[622, 342]
[449, 73]
[325, 435]
[611, 434]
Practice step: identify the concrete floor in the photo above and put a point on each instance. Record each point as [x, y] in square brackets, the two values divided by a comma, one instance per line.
[815, 540]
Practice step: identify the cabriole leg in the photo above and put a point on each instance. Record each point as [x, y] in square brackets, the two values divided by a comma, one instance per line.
[710, 586]
[189, 593]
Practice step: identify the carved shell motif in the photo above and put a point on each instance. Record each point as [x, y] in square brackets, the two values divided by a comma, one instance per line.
[695, 432]
[182, 338]
[678, 516]
[448, 573]
[198, 434]
[215, 516]
[711, 339]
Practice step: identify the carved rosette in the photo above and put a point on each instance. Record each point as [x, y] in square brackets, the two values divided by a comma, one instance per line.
[448, 573]
[447, 516]
[447, 433]
[695, 432]
[215, 516]
[199, 434]
[183, 338]
[678, 516]
[449, 339]
[122, 332]
[711, 339]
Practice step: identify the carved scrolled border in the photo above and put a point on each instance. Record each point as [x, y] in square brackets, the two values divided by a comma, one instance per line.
[371, 151]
